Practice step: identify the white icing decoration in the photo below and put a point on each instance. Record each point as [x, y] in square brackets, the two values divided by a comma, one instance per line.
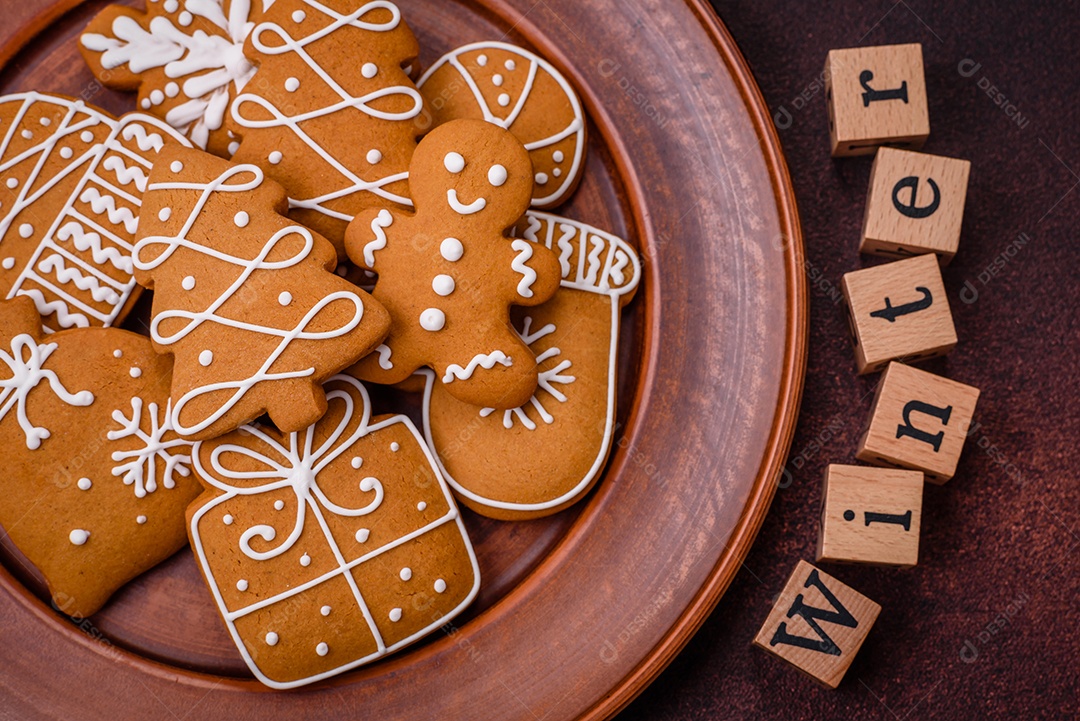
[234, 148]
[284, 298]
[374, 156]
[206, 358]
[9, 263]
[454, 162]
[547, 381]
[558, 156]
[482, 60]
[188, 283]
[440, 586]
[405, 574]
[384, 352]
[45, 122]
[510, 65]
[305, 560]
[227, 519]
[379, 224]
[126, 174]
[12, 183]
[298, 16]
[272, 639]
[157, 97]
[421, 506]
[66, 153]
[106, 205]
[27, 135]
[356, 462]
[542, 178]
[322, 649]
[504, 100]
[84, 484]
[242, 585]
[78, 537]
[292, 85]
[465, 209]
[135, 372]
[395, 446]
[26, 230]
[524, 251]
[497, 80]
[279, 505]
[172, 90]
[77, 277]
[497, 176]
[443, 285]
[395, 615]
[164, 214]
[140, 520]
[451, 249]
[369, 70]
[487, 361]
[275, 157]
[118, 353]
[93, 242]
[176, 166]
[325, 610]
[557, 172]
[26, 365]
[433, 320]
[241, 219]
[155, 457]
[362, 535]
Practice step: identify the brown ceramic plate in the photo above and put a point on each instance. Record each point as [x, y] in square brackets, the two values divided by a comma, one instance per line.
[580, 611]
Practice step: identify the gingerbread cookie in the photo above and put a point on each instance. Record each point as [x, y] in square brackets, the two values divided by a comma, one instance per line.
[184, 57]
[540, 458]
[449, 273]
[246, 301]
[71, 184]
[331, 114]
[520, 92]
[95, 481]
[332, 547]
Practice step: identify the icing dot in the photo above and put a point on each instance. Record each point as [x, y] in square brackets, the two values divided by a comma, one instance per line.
[497, 176]
[172, 90]
[275, 157]
[357, 462]
[511, 65]
[78, 537]
[145, 104]
[298, 16]
[66, 153]
[305, 560]
[452, 249]
[369, 70]
[185, 18]
[140, 520]
[164, 214]
[497, 79]
[9, 263]
[395, 614]
[454, 162]
[86, 136]
[84, 484]
[135, 372]
[406, 573]
[322, 649]
[45, 122]
[362, 535]
[395, 446]
[171, 6]
[12, 183]
[176, 166]
[325, 610]
[234, 147]
[278, 505]
[558, 157]
[443, 285]
[27, 134]
[157, 97]
[541, 178]
[421, 506]
[440, 586]
[482, 60]
[374, 156]
[26, 230]
[206, 358]
[242, 585]
[271, 639]
[241, 219]
[118, 353]
[556, 172]
[504, 100]
[188, 282]
[227, 519]
[292, 85]
[433, 320]
[285, 298]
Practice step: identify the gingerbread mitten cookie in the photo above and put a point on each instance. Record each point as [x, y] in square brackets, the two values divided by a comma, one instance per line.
[95, 481]
[535, 460]
[448, 274]
[245, 300]
[331, 114]
[332, 547]
[184, 57]
[71, 185]
[523, 93]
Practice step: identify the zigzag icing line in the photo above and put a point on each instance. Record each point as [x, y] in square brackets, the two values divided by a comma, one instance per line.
[524, 254]
[107, 204]
[487, 362]
[378, 226]
[92, 241]
[126, 174]
[145, 141]
[64, 316]
[101, 294]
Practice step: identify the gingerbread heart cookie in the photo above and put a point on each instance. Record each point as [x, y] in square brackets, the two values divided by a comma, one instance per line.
[71, 185]
[332, 547]
[95, 481]
[331, 113]
[184, 57]
[245, 300]
[540, 458]
[520, 92]
[449, 273]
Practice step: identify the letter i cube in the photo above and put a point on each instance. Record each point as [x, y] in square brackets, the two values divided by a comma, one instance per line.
[915, 205]
[898, 311]
[817, 624]
[919, 421]
[871, 515]
[876, 96]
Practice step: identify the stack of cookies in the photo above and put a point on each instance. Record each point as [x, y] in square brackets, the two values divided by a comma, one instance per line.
[312, 213]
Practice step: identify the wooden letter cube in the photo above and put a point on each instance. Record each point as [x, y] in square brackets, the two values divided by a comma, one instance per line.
[871, 515]
[898, 311]
[876, 96]
[919, 420]
[915, 205]
[817, 624]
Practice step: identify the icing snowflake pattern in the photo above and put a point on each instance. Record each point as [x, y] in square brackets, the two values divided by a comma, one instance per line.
[547, 382]
[139, 467]
[25, 363]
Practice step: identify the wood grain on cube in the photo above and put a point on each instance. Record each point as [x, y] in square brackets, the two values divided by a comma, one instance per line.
[915, 205]
[817, 624]
[898, 311]
[871, 515]
[919, 420]
[876, 96]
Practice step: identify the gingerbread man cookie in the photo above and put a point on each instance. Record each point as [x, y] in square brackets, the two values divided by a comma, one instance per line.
[245, 300]
[95, 480]
[449, 273]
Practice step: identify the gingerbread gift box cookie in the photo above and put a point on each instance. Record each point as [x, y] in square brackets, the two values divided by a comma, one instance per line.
[332, 547]
[331, 114]
[244, 299]
[71, 185]
[184, 57]
[520, 92]
[449, 273]
[96, 481]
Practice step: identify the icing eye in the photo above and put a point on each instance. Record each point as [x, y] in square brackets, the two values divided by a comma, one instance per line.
[454, 162]
[497, 175]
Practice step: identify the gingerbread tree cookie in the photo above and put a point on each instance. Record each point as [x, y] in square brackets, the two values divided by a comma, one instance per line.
[95, 481]
[184, 57]
[331, 114]
[244, 299]
[449, 273]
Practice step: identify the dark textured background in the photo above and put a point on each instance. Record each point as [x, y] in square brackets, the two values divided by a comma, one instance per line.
[998, 552]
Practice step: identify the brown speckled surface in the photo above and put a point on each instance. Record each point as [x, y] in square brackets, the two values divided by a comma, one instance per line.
[986, 627]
